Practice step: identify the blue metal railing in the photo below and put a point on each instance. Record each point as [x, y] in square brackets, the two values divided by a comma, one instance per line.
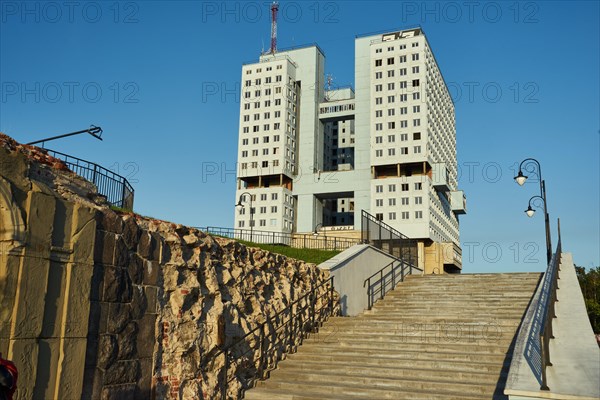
[537, 351]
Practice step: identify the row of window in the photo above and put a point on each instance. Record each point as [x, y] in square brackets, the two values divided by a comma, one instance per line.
[331, 109]
[265, 152]
[403, 151]
[402, 124]
[405, 215]
[392, 98]
[392, 48]
[402, 72]
[258, 81]
[265, 196]
[263, 222]
[267, 127]
[404, 187]
[267, 93]
[256, 140]
[405, 201]
[288, 212]
[403, 137]
[267, 103]
[274, 196]
[266, 115]
[392, 60]
[392, 111]
[262, 210]
[263, 164]
[259, 70]
[401, 85]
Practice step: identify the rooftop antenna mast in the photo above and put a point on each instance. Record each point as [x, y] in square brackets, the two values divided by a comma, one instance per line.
[274, 9]
[328, 86]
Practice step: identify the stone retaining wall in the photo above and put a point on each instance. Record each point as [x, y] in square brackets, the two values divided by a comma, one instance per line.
[96, 304]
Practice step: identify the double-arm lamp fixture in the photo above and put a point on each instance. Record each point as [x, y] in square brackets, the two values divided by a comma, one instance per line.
[521, 179]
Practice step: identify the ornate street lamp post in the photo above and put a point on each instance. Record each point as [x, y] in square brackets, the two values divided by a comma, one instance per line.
[316, 231]
[240, 203]
[520, 179]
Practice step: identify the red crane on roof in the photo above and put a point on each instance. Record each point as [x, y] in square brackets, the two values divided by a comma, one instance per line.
[274, 9]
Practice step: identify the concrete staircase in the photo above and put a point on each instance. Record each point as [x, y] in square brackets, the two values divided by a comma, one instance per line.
[433, 337]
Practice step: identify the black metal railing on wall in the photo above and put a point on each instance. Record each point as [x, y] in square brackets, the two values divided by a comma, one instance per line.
[386, 279]
[382, 236]
[537, 348]
[117, 190]
[296, 240]
[251, 357]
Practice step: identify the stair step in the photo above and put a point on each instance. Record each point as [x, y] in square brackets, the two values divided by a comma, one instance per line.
[432, 337]
[364, 343]
[393, 371]
[332, 353]
[418, 337]
[385, 309]
[407, 319]
[307, 393]
[448, 330]
[353, 390]
[462, 365]
[324, 377]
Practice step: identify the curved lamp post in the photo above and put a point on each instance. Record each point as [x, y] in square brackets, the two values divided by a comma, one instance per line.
[240, 203]
[521, 179]
[531, 211]
[316, 231]
[93, 130]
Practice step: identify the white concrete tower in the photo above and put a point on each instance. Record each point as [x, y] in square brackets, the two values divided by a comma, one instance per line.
[311, 156]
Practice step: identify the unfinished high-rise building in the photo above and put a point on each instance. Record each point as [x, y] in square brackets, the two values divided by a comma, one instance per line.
[312, 155]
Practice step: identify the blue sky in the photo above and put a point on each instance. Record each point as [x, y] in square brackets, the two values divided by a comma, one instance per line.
[162, 79]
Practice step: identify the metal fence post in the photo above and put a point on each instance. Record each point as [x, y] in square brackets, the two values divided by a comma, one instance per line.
[224, 383]
[394, 275]
[369, 293]
[261, 364]
[382, 284]
[291, 329]
[312, 311]
[331, 297]
[544, 355]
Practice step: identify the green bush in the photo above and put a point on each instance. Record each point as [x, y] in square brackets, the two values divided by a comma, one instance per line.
[590, 287]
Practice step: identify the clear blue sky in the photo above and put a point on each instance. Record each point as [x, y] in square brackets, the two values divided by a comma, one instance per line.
[162, 78]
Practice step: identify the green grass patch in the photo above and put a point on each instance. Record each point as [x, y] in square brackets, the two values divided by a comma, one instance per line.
[309, 255]
[121, 210]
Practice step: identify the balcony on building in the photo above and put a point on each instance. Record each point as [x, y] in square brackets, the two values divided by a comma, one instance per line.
[439, 177]
[458, 201]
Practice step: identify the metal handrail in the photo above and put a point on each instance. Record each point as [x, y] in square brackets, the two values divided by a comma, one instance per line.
[384, 237]
[537, 345]
[296, 327]
[384, 225]
[295, 240]
[382, 279]
[546, 309]
[116, 188]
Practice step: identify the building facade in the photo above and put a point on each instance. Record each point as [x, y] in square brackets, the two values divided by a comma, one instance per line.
[313, 156]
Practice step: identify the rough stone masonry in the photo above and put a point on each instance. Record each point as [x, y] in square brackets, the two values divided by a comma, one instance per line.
[99, 304]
